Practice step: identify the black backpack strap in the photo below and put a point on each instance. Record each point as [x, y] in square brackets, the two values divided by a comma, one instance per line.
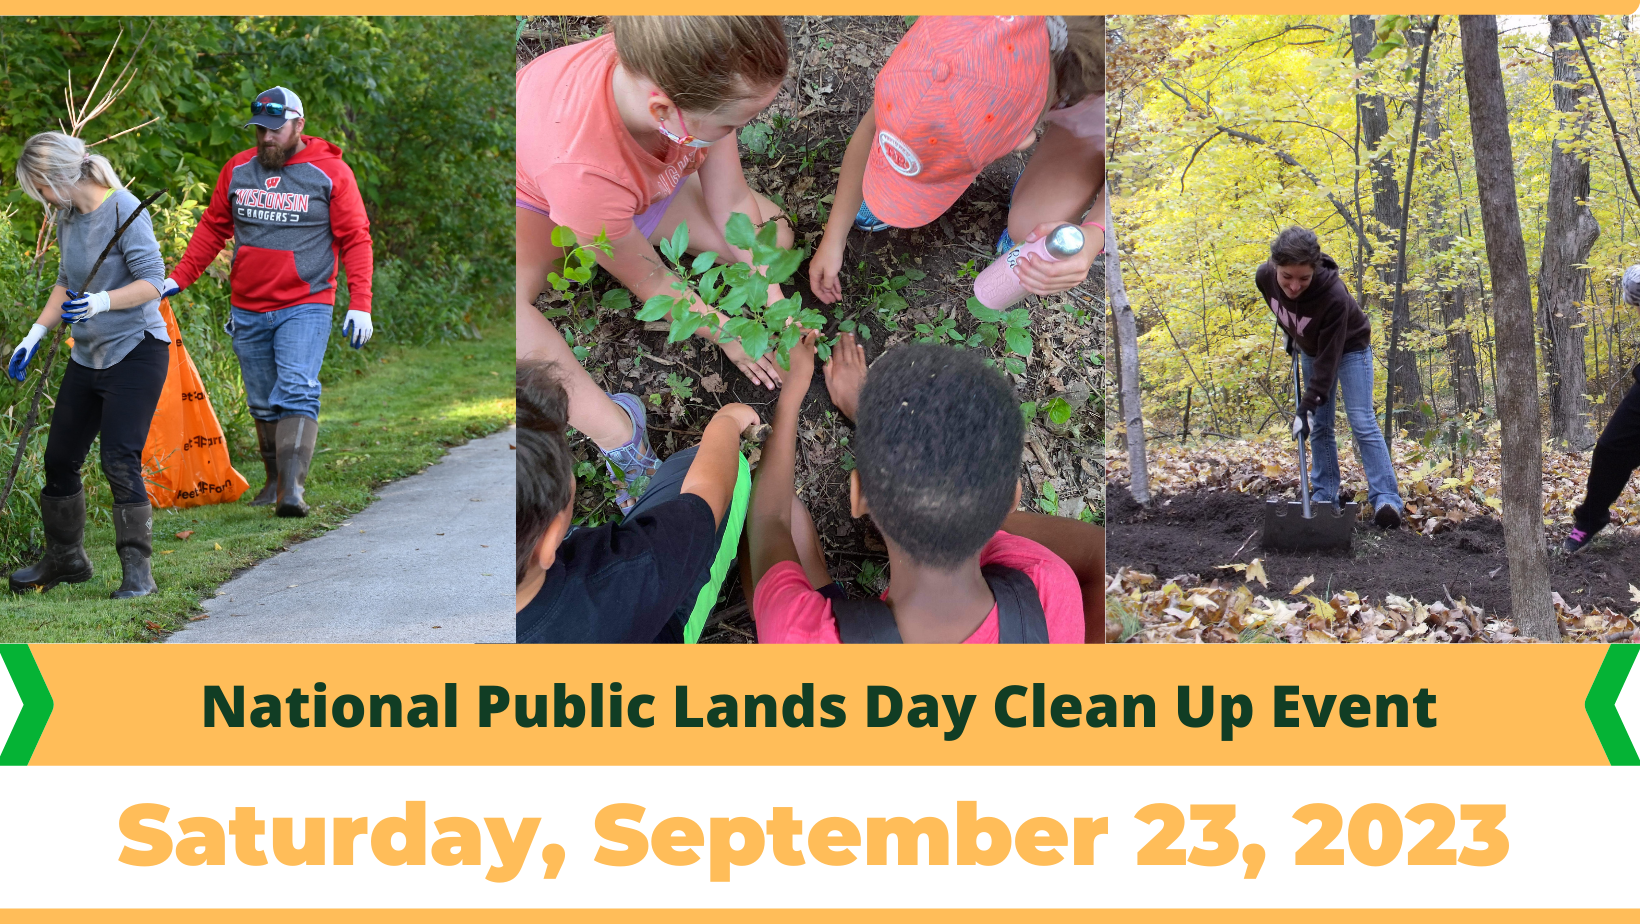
[865, 622]
[1020, 619]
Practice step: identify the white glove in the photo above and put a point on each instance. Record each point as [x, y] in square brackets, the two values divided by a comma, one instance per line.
[18, 366]
[1303, 424]
[357, 328]
[170, 288]
[85, 307]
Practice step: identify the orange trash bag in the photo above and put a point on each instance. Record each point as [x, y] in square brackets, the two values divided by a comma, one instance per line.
[185, 461]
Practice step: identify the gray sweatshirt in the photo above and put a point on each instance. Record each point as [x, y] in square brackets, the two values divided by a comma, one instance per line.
[105, 339]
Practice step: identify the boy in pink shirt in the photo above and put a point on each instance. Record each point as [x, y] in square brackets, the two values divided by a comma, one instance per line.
[629, 135]
[938, 441]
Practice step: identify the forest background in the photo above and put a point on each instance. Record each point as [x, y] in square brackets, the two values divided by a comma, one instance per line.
[1226, 129]
[421, 107]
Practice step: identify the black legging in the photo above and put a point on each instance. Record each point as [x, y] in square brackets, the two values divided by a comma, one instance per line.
[1616, 456]
[117, 402]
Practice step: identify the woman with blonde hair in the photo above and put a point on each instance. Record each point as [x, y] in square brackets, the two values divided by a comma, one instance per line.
[116, 370]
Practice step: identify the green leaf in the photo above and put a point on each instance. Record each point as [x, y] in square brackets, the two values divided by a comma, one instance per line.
[684, 325]
[978, 310]
[562, 236]
[890, 303]
[1029, 410]
[1019, 341]
[1014, 364]
[739, 231]
[769, 235]
[1059, 412]
[657, 307]
[1049, 502]
[988, 334]
[740, 327]
[704, 261]
[780, 312]
[783, 266]
[756, 342]
[680, 242]
[616, 300]
[847, 326]
[734, 302]
[915, 275]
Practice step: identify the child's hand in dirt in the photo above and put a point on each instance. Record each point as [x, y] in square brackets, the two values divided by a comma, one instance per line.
[744, 417]
[802, 363]
[846, 374]
[1048, 277]
[763, 370]
[825, 272]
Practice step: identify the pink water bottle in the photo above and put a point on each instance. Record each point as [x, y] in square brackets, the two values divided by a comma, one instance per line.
[998, 286]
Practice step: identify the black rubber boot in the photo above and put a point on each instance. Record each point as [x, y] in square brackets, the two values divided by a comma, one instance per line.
[134, 541]
[296, 437]
[267, 444]
[65, 561]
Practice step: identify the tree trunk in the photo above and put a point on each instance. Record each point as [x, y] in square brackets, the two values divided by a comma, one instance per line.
[1460, 351]
[1517, 396]
[1567, 240]
[1460, 345]
[1127, 337]
[1386, 213]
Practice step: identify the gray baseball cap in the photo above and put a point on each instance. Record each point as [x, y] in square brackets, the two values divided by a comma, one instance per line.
[273, 108]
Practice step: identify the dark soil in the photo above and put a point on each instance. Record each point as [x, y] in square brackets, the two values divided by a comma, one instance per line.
[1191, 534]
[834, 64]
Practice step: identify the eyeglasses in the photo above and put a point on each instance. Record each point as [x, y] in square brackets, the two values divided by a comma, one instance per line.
[273, 109]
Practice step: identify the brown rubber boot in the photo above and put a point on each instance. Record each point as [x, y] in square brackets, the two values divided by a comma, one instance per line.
[266, 443]
[134, 541]
[296, 437]
[65, 561]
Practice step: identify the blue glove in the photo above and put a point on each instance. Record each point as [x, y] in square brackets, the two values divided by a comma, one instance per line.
[18, 367]
[357, 328]
[84, 307]
[169, 288]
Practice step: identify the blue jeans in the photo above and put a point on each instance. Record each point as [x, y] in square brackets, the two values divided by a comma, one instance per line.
[279, 357]
[1355, 378]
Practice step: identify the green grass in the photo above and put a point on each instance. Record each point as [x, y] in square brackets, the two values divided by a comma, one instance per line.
[377, 426]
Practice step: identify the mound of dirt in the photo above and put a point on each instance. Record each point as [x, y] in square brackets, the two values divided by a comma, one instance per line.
[1194, 533]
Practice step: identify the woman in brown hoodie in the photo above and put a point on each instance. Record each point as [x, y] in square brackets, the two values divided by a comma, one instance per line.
[1302, 287]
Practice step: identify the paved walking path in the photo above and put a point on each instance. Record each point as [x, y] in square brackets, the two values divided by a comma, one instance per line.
[428, 562]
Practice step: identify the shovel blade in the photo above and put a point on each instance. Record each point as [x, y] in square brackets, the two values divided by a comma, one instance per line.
[1286, 529]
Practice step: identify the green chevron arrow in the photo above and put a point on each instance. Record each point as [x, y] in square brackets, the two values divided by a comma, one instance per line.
[1601, 704]
[25, 691]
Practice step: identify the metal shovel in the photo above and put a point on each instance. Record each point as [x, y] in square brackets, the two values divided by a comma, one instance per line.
[1291, 526]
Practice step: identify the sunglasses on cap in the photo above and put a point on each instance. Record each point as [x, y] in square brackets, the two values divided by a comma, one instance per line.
[272, 109]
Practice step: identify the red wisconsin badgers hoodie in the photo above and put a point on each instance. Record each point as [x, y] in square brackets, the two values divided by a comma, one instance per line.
[292, 226]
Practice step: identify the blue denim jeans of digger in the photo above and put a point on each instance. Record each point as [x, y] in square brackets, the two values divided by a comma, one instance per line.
[279, 357]
[1355, 380]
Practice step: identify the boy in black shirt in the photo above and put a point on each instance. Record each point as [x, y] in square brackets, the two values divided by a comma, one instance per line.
[639, 580]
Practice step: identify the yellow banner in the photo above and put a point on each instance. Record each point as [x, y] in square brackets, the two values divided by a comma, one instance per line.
[819, 705]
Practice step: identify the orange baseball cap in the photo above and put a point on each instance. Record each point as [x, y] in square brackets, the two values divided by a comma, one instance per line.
[957, 93]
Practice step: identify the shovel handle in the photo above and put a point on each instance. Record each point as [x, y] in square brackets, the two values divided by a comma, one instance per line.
[1303, 459]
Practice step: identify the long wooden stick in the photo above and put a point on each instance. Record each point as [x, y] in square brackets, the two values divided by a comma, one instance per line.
[56, 343]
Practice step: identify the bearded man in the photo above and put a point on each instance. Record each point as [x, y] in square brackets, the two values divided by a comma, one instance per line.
[294, 212]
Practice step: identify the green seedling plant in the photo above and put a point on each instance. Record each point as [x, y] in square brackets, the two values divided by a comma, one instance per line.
[941, 331]
[1012, 328]
[681, 386]
[578, 265]
[737, 291]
